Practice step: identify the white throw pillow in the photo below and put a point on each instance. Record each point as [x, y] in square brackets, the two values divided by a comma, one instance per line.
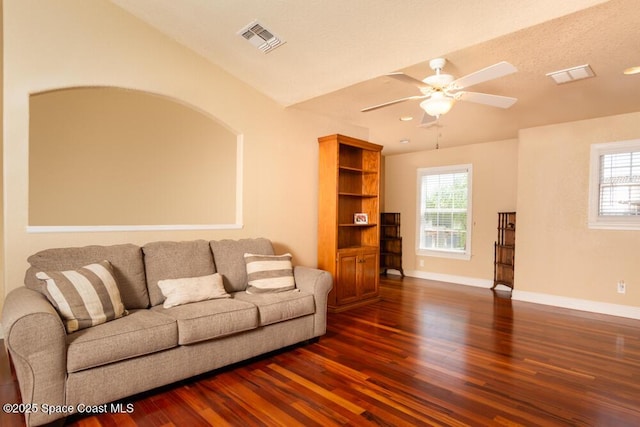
[192, 289]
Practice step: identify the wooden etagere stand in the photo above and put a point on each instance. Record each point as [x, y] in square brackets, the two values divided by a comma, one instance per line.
[504, 250]
[390, 243]
[348, 214]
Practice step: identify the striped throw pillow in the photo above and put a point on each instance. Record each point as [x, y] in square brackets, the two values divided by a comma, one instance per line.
[84, 297]
[269, 273]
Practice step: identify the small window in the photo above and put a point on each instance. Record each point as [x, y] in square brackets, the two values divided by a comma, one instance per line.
[444, 211]
[614, 185]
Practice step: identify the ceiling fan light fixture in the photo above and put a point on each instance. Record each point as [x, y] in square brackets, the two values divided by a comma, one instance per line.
[439, 80]
[632, 70]
[437, 105]
[440, 91]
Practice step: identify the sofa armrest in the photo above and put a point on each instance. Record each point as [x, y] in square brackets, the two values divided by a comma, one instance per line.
[36, 340]
[319, 283]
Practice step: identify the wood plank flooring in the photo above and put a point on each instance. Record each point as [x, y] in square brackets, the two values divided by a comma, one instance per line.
[428, 354]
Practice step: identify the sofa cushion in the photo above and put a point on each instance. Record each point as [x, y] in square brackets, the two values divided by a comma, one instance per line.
[192, 289]
[229, 259]
[211, 319]
[141, 332]
[175, 260]
[85, 297]
[126, 261]
[278, 307]
[269, 273]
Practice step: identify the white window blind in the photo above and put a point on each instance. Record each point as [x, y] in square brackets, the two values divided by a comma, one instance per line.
[614, 185]
[445, 211]
[620, 184]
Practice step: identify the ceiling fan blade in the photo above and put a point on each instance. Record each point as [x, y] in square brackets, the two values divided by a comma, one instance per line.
[487, 99]
[386, 104]
[408, 79]
[491, 72]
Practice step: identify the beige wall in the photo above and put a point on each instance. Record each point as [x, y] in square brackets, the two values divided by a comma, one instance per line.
[136, 153]
[494, 190]
[557, 254]
[66, 43]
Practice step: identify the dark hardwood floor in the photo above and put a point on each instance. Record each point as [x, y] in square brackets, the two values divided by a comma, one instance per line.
[428, 354]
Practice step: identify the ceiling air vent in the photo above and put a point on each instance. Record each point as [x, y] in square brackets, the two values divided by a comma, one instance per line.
[260, 37]
[572, 74]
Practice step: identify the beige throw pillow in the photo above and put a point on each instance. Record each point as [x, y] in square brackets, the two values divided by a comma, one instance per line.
[192, 289]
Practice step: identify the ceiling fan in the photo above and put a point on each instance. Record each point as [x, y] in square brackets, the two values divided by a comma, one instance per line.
[440, 91]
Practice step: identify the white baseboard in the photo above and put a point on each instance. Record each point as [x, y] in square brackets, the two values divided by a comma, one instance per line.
[449, 278]
[536, 297]
[578, 304]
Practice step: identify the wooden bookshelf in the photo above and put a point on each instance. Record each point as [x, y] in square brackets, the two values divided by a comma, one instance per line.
[349, 185]
[390, 243]
[505, 250]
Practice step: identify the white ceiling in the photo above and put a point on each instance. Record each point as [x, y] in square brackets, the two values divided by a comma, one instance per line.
[337, 52]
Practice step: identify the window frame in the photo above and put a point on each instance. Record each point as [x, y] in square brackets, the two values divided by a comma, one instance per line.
[444, 170]
[611, 222]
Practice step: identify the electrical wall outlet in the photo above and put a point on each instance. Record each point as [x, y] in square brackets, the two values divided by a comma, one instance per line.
[622, 287]
[421, 262]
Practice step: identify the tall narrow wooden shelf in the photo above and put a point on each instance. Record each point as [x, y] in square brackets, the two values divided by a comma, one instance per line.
[390, 243]
[505, 250]
[349, 184]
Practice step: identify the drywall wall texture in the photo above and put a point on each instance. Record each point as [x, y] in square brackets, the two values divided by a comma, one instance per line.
[69, 43]
[557, 254]
[494, 190]
[108, 156]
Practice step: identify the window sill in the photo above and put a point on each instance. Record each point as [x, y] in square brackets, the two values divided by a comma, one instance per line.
[444, 254]
[619, 224]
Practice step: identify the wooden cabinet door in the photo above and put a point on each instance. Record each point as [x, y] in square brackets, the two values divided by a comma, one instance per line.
[347, 278]
[368, 265]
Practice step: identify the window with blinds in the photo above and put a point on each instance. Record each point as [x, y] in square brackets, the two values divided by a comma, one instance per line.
[620, 184]
[615, 185]
[444, 211]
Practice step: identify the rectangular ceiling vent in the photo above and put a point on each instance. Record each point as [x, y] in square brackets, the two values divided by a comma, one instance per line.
[260, 37]
[572, 74]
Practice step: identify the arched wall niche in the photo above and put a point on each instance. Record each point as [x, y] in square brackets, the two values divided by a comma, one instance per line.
[111, 158]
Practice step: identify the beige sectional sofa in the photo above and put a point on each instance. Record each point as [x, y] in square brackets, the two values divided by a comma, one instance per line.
[61, 370]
